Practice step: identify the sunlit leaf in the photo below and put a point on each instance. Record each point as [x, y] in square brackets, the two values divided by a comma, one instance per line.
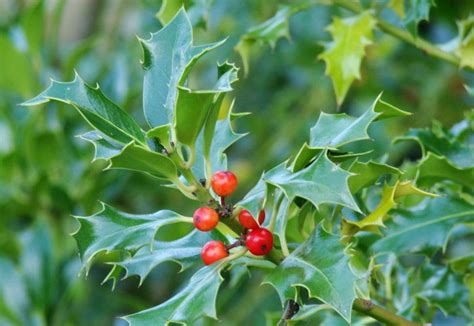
[343, 56]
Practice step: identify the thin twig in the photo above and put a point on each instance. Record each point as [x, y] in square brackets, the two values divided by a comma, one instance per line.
[383, 315]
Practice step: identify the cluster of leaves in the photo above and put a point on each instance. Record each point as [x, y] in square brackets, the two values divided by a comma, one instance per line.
[343, 224]
[343, 55]
[39, 262]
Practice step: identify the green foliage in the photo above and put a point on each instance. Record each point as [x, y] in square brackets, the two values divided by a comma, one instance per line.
[168, 57]
[343, 56]
[112, 230]
[351, 216]
[321, 266]
[426, 227]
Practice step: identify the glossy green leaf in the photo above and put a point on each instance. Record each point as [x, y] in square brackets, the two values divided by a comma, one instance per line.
[321, 182]
[162, 134]
[224, 137]
[343, 56]
[321, 266]
[285, 211]
[196, 300]
[268, 32]
[110, 230]
[184, 251]
[137, 158]
[227, 74]
[193, 108]
[433, 169]
[440, 142]
[168, 57]
[104, 148]
[335, 130]
[373, 221]
[367, 173]
[427, 227]
[99, 111]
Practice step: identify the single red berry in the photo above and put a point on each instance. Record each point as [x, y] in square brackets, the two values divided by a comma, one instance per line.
[247, 220]
[259, 241]
[223, 183]
[205, 219]
[213, 251]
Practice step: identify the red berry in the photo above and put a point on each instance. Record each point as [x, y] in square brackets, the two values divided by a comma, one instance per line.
[247, 220]
[213, 251]
[259, 241]
[224, 183]
[205, 219]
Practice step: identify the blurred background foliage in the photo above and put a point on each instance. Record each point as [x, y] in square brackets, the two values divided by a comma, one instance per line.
[46, 174]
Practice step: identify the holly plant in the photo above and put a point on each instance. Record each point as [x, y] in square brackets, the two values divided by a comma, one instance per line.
[335, 234]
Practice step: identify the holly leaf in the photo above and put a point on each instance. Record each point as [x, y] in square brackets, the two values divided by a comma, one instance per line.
[104, 148]
[321, 182]
[343, 56]
[434, 168]
[224, 137]
[285, 211]
[169, 55]
[112, 230]
[321, 266]
[99, 111]
[335, 130]
[163, 135]
[367, 173]
[376, 218]
[426, 227]
[137, 158]
[268, 32]
[132, 157]
[194, 109]
[442, 289]
[442, 143]
[196, 300]
[184, 251]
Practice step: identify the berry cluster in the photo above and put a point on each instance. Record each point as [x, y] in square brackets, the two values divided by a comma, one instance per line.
[258, 240]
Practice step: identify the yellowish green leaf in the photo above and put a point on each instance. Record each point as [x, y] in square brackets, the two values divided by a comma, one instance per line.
[343, 56]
